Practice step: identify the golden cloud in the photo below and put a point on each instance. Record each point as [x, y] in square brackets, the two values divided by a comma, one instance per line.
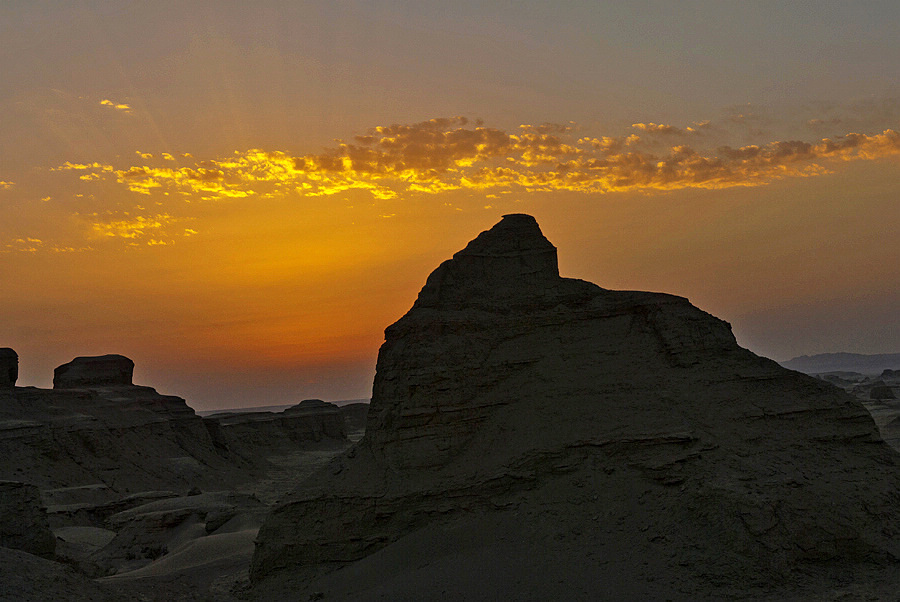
[26, 245]
[151, 229]
[35, 245]
[120, 106]
[657, 128]
[447, 154]
[6, 185]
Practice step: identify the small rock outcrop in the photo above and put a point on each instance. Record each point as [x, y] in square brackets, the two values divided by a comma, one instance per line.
[110, 370]
[9, 367]
[562, 438]
[23, 520]
[246, 435]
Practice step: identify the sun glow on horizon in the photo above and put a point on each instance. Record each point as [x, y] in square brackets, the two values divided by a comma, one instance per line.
[280, 180]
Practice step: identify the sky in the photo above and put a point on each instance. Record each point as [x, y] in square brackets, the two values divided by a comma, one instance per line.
[241, 197]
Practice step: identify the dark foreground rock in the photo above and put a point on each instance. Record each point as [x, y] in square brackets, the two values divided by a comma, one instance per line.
[27, 577]
[23, 520]
[139, 491]
[538, 437]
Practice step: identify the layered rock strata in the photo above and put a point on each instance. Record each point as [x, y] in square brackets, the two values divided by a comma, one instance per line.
[580, 436]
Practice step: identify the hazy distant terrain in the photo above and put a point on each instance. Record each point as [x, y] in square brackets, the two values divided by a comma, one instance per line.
[275, 408]
[844, 362]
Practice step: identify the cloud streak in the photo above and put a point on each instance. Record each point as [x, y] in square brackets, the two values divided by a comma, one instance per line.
[446, 154]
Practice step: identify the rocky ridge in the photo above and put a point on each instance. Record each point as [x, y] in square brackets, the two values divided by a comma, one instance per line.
[96, 429]
[126, 437]
[123, 483]
[567, 439]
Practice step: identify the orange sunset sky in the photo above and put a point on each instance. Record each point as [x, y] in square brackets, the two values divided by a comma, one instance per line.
[242, 196]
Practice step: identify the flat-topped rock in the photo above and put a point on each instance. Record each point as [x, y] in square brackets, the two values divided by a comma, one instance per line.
[9, 367]
[312, 405]
[110, 370]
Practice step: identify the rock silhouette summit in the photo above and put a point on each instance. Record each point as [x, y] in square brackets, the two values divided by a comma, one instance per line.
[511, 261]
[544, 430]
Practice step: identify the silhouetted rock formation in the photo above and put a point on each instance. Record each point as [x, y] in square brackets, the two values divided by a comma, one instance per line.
[23, 521]
[98, 371]
[545, 431]
[9, 367]
[311, 405]
[843, 362]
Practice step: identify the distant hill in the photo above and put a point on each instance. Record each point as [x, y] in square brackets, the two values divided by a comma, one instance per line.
[276, 408]
[844, 362]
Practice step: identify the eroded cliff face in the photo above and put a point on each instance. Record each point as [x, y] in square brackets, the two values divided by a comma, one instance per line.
[612, 429]
[129, 438]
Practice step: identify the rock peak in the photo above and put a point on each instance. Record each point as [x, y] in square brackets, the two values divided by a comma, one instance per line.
[515, 234]
[513, 260]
